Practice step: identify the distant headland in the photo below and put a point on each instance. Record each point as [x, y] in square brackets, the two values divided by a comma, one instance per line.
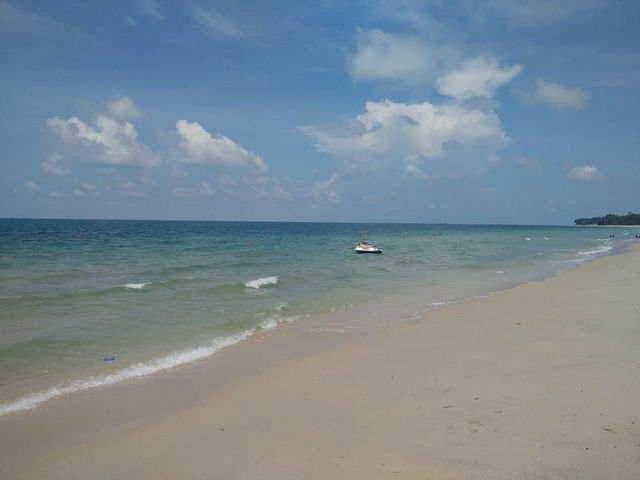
[611, 219]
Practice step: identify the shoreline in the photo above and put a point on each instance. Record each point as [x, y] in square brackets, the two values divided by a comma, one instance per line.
[35, 442]
[334, 319]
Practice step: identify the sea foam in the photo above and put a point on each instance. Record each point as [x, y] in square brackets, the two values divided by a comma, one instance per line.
[136, 370]
[261, 282]
[275, 320]
[602, 249]
[136, 286]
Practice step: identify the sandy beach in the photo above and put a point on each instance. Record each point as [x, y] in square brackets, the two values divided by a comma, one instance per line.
[541, 381]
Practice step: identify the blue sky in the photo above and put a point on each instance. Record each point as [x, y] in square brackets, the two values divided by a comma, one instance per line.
[489, 111]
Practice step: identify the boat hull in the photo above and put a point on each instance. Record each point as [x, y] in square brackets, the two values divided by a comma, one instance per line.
[377, 250]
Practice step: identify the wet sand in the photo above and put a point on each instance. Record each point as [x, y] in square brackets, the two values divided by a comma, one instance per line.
[541, 381]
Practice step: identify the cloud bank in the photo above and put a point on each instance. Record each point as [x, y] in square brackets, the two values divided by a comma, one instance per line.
[404, 135]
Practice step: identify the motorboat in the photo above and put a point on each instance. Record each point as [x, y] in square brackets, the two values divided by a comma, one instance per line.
[364, 247]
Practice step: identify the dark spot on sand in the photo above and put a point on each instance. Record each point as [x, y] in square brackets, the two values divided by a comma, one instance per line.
[448, 406]
[610, 430]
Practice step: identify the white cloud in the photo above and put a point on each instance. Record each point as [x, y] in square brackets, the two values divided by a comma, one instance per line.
[52, 165]
[391, 57]
[216, 23]
[558, 95]
[131, 22]
[206, 188]
[54, 194]
[479, 77]
[32, 186]
[149, 8]
[412, 170]
[410, 133]
[89, 187]
[527, 12]
[585, 173]
[130, 189]
[324, 191]
[528, 161]
[77, 192]
[200, 147]
[16, 19]
[122, 108]
[115, 142]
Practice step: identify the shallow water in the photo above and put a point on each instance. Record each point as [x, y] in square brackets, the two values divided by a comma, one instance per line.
[156, 294]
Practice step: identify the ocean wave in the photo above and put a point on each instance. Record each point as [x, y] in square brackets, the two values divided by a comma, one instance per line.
[136, 286]
[602, 249]
[261, 282]
[140, 369]
[276, 320]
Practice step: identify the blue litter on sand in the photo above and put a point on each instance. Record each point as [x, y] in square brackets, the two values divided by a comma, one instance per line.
[109, 359]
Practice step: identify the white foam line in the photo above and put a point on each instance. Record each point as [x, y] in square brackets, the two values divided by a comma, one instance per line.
[136, 286]
[136, 370]
[602, 249]
[274, 321]
[261, 282]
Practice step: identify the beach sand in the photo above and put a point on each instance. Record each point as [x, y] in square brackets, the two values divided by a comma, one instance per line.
[541, 381]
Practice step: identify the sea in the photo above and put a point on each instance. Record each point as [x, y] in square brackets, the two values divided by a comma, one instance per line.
[88, 303]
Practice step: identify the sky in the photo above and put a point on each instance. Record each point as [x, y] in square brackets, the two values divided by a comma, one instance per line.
[432, 111]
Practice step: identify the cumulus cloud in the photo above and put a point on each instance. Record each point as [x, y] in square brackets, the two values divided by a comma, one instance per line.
[479, 77]
[558, 95]
[114, 142]
[391, 57]
[52, 165]
[122, 108]
[216, 24]
[200, 147]
[410, 133]
[89, 187]
[585, 173]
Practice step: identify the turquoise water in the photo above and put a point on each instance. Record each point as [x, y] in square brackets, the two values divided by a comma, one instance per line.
[156, 294]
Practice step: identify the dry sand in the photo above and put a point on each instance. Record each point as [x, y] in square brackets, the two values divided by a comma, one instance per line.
[542, 381]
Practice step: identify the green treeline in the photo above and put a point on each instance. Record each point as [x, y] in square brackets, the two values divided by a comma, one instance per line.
[611, 219]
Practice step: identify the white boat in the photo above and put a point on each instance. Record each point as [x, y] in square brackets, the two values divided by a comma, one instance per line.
[364, 247]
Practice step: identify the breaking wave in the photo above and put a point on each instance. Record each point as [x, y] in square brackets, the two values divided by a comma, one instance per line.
[261, 282]
[136, 370]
